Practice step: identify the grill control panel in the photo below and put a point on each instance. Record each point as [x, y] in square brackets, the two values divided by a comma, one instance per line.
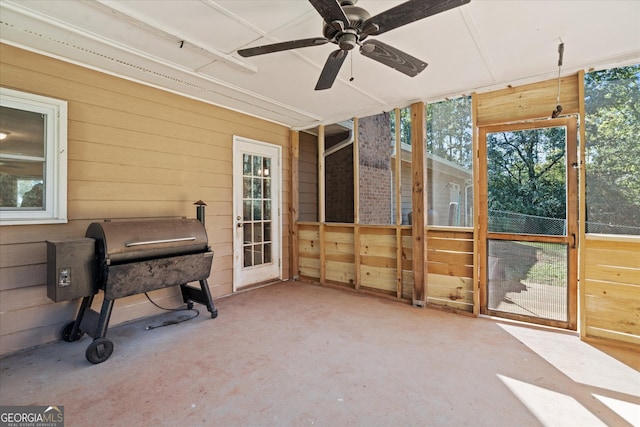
[70, 269]
[64, 277]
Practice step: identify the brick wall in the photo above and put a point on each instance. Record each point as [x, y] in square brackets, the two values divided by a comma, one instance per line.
[374, 144]
[339, 186]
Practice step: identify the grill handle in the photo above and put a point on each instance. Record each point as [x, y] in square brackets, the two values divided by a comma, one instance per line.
[155, 242]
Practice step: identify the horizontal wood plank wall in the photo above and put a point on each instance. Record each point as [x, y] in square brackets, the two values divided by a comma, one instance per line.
[309, 250]
[308, 177]
[378, 256]
[450, 268]
[527, 102]
[407, 263]
[450, 260]
[133, 152]
[612, 288]
[339, 261]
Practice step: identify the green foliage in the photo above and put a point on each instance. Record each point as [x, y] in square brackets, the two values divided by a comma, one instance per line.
[449, 131]
[527, 171]
[612, 101]
[405, 125]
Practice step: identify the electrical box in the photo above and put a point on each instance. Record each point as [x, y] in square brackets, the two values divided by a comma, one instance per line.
[71, 269]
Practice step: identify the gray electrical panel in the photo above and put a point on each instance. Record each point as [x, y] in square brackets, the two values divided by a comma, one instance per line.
[71, 269]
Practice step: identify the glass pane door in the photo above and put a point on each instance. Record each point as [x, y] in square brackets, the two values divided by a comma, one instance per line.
[257, 217]
[257, 192]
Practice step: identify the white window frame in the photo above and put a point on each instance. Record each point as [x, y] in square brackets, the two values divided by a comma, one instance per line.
[55, 110]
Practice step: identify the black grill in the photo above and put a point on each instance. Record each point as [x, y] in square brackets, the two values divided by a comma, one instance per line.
[132, 257]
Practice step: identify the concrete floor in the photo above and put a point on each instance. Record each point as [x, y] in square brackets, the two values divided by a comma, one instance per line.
[295, 354]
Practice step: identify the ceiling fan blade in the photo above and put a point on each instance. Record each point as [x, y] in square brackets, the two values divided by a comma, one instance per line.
[392, 57]
[408, 12]
[331, 69]
[278, 47]
[331, 11]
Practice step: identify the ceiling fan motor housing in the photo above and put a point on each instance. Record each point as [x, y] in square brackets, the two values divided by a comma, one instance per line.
[349, 37]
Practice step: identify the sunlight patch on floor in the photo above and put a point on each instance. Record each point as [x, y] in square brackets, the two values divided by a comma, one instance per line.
[578, 360]
[550, 407]
[627, 410]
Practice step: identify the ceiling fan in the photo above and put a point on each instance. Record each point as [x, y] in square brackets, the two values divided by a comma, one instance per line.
[348, 26]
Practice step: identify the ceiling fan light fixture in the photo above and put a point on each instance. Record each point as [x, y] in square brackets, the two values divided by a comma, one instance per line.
[348, 40]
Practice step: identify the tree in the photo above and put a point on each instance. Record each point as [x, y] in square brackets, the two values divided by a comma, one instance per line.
[526, 171]
[449, 131]
[612, 101]
[405, 125]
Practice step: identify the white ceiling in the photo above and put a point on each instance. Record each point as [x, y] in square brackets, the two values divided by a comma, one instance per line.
[190, 47]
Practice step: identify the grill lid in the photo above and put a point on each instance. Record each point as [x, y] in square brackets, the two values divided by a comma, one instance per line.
[122, 241]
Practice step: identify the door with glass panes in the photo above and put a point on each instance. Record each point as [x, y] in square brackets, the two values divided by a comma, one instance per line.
[528, 221]
[256, 219]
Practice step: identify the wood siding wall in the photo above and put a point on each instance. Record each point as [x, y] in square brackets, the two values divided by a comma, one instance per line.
[134, 152]
[379, 259]
[308, 181]
[527, 102]
[611, 294]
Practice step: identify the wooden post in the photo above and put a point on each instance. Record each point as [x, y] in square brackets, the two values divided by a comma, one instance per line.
[572, 220]
[294, 137]
[582, 215]
[398, 190]
[419, 203]
[356, 203]
[321, 204]
[476, 205]
[321, 209]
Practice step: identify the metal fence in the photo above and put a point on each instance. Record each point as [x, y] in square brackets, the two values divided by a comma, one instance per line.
[513, 222]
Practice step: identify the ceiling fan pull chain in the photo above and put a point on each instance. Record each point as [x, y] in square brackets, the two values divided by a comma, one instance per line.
[352, 78]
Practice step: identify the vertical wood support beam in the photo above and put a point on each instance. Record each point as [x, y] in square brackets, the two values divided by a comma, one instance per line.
[356, 202]
[321, 181]
[476, 205]
[294, 138]
[398, 165]
[321, 204]
[482, 220]
[572, 223]
[582, 211]
[356, 172]
[398, 190]
[419, 202]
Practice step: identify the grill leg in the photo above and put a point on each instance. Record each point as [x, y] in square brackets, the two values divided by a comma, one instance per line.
[103, 320]
[202, 295]
[209, 301]
[101, 348]
[72, 331]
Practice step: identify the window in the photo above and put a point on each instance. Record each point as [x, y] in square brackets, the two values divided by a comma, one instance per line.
[449, 163]
[404, 148]
[33, 159]
[612, 149]
[338, 177]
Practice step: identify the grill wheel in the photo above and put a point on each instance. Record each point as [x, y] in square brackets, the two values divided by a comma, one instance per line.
[99, 350]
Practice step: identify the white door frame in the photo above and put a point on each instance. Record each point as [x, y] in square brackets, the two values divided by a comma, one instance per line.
[247, 276]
